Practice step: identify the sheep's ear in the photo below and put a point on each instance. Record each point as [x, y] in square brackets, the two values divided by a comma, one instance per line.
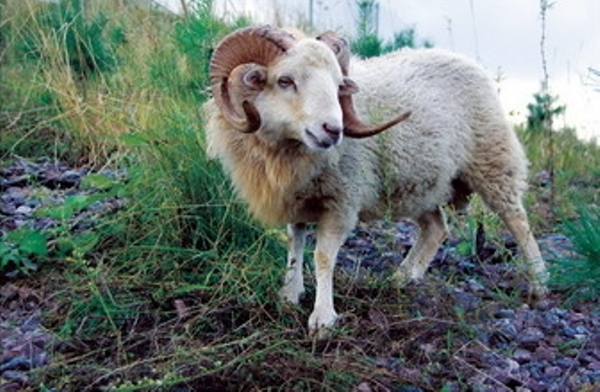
[256, 77]
[348, 87]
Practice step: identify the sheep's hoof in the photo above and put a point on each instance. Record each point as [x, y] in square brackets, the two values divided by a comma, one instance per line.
[291, 295]
[320, 324]
[537, 283]
[538, 291]
[405, 275]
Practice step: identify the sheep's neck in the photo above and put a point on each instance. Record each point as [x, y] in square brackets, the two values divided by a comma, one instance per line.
[269, 179]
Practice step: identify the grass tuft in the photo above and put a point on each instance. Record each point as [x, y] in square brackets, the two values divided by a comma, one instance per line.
[579, 274]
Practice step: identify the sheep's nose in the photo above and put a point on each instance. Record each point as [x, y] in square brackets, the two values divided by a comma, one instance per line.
[333, 131]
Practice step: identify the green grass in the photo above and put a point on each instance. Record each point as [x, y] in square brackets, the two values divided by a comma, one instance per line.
[578, 274]
[577, 173]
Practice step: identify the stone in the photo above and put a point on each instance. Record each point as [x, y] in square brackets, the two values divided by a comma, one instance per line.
[594, 365]
[543, 353]
[522, 356]
[530, 337]
[24, 210]
[505, 314]
[553, 371]
[16, 376]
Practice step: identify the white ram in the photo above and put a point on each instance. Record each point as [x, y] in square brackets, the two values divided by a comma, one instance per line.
[281, 107]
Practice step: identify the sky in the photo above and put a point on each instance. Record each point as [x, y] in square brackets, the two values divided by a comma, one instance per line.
[502, 35]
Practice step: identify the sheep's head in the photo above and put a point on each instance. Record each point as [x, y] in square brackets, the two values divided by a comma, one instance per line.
[263, 78]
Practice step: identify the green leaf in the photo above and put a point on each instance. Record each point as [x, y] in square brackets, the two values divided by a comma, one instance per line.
[34, 243]
[79, 202]
[28, 265]
[64, 246]
[5, 248]
[134, 140]
[60, 213]
[97, 181]
[85, 242]
[29, 241]
[9, 257]
[464, 248]
[71, 206]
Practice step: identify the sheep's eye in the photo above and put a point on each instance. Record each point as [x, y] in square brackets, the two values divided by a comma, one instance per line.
[285, 82]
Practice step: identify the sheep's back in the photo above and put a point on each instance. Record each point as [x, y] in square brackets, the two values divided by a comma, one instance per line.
[456, 116]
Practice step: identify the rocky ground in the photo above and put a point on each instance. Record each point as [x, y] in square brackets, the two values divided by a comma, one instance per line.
[543, 347]
[26, 188]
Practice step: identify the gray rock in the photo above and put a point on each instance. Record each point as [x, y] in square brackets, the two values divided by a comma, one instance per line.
[15, 376]
[553, 371]
[522, 356]
[545, 354]
[24, 210]
[566, 363]
[16, 363]
[530, 337]
[505, 314]
[594, 365]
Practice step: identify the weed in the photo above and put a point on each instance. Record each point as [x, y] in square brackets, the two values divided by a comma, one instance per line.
[20, 251]
[579, 275]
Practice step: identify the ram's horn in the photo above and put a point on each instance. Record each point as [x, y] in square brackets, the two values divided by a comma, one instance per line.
[258, 45]
[339, 46]
[353, 126]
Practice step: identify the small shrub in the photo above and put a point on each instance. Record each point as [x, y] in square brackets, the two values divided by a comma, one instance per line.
[20, 251]
[579, 275]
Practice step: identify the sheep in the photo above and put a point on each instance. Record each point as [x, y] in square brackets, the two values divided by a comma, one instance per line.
[285, 122]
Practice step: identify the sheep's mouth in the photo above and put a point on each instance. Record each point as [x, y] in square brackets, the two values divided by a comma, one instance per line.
[325, 144]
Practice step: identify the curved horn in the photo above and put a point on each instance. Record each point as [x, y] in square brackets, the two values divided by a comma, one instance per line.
[339, 46]
[353, 126]
[259, 45]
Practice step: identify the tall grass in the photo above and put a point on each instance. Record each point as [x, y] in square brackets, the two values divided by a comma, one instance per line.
[123, 84]
[61, 53]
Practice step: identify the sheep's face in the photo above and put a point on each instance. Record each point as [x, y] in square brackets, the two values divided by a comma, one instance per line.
[265, 79]
[300, 98]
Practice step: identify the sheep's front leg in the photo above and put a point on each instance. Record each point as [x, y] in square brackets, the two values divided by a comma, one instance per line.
[293, 285]
[328, 245]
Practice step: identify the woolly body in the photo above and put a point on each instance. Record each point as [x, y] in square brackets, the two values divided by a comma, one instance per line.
[457, 131]
[455, 142]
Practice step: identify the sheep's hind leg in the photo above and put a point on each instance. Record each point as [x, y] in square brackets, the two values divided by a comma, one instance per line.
[504, 198]
[432, 233]
[293, 285]
[517, 223]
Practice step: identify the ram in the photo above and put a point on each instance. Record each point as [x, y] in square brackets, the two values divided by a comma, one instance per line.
[285, 121]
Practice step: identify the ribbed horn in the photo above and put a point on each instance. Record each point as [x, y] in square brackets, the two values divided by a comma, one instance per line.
[259, 45]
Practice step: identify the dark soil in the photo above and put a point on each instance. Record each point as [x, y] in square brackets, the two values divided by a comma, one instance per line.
[468, 326]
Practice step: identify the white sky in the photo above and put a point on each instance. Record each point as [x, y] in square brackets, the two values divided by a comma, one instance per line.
[503, 35]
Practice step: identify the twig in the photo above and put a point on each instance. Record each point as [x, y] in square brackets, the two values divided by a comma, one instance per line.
[481, 373]
[545, 5]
